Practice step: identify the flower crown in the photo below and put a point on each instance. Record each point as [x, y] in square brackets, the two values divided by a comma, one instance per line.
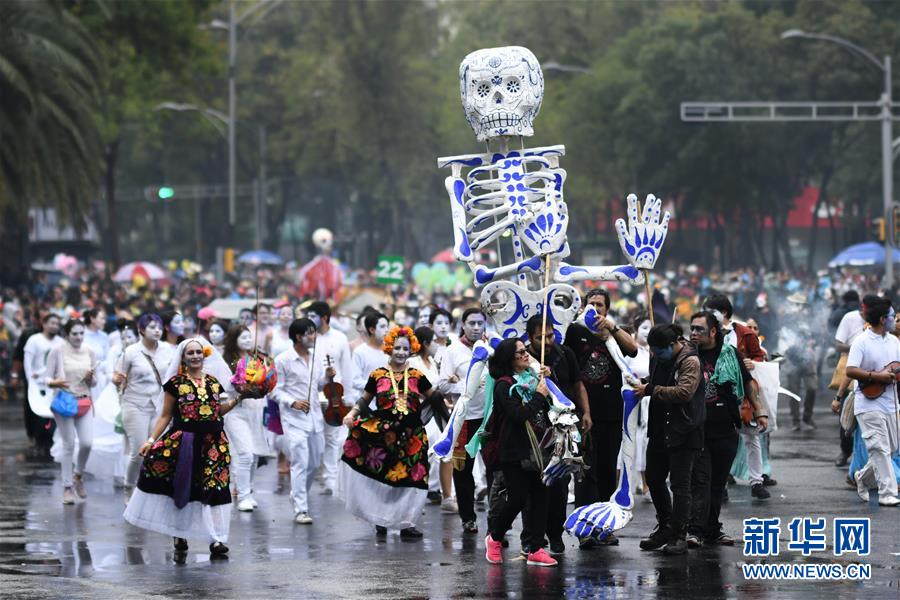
[388, 345]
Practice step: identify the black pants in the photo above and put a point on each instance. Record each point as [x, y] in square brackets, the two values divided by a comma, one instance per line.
[38, 429]
[463, 482]
[846, 442]
[522, 487]
[557, 499]
[676, 464]
[708, 480]
[599, 481]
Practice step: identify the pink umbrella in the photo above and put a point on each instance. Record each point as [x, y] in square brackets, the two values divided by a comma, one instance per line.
[144, 270]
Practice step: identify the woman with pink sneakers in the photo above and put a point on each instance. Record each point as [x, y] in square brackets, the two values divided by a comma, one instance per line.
[517, 423]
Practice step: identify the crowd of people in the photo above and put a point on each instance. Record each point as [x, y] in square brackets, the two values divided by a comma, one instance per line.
[358, 398]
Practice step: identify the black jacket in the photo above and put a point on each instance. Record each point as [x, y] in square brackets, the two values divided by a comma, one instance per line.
[510, 416]
[677, 400]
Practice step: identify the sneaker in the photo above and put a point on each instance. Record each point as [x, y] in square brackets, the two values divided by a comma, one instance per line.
[328, 492]
[434, 497]
[557, 547]
[842, 460]
[493, 550]
[449, 505]
[768, 481]
[657, 539]
[218, 550]
[888, 500]
[540, 558]
[758, 491]
[721, 539]
[245, 505]
[796, 427]
[78, 485]
[677, 545]
[380, 531]
[410, 533]
[861, 490]
[609, 540]
[810, 424]
[254, 502]
[470, 527]
[694, 541]
[303, 519]
[180, 544]
[68, 496]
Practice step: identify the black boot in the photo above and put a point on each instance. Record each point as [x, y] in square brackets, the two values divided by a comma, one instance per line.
[657, 539]
[677, 543]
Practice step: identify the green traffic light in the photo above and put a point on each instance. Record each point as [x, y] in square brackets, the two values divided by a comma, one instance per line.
[165, 193]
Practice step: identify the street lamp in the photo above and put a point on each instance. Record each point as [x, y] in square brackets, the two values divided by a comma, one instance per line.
[887, 161]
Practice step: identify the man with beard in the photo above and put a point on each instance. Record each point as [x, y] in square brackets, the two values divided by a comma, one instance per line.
[723, 386]
[602, 380]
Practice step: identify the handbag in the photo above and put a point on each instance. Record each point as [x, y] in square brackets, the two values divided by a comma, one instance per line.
[65, 404]
[848, 419]
[840, 372]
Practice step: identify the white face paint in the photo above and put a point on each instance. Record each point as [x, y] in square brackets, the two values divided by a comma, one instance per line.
[424, 315]
[216, 334]
[265, 316]
[245, 341]
[76, 336]
[381, 329]
[643, 330]
[473, 327]
[285, 316]
[153, 331]
[176, 326]
[128, 337]
[441, 327]
[400, 353]
[315, 318]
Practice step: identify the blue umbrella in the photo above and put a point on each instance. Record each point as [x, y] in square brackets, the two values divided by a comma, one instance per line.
[260, 257]
[858, 255]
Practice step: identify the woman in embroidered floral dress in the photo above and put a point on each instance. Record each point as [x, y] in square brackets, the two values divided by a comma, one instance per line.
[183, 486]
[384, 470]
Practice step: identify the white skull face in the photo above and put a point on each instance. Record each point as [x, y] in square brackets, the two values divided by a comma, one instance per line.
[501, 91]
[323, 239]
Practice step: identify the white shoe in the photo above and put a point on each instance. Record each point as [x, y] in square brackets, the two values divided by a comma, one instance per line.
[861, 490]
[303, 519]
[449, 505]
[254, 502]
[888, 500]
[245, 505]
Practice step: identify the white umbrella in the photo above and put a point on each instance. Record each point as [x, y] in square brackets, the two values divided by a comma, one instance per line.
[146, 270]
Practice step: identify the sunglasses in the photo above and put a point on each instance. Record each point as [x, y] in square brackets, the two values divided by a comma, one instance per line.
[522, 352]
[698, 329]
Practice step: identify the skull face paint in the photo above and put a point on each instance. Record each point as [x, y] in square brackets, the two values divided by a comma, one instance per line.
[501, 91]
[441, 327]
[400, 352]
[245, 341]
[128, 337]
[216, 334]
[153, 331]
[381, 329]
[176, 326]
[473, 327]
[643, 330]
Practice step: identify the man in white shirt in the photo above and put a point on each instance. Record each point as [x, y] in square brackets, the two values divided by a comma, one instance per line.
[332, 349]
[368, 356]
[299, 380]
[37, 349]
[870, 354]
[454, 368]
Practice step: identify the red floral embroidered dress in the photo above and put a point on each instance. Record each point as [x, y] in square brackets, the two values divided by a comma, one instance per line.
[390, 444]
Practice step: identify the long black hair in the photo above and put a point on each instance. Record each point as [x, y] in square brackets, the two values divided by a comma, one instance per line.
[711, 322]
[501, 363]
[425, 335]
[664, 334]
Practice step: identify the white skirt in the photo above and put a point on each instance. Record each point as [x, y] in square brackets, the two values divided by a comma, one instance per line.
[379, 503]
[157, 512]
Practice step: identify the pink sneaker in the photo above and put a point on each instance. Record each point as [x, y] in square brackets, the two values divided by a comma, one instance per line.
[494, 552]
[541, 559]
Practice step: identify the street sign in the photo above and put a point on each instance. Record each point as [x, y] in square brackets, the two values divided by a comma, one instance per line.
[389, 269]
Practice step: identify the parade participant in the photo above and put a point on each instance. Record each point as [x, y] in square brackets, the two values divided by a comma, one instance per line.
[368, 356]
[34, 363]
[216, 335]
[361, 335]
[675, 433]
[332, 349]
[867, 362]
[640, 366]
[851, 323]
[520, 405]
[440, 321]
[173, 327]
[384, 470]
[70, 368]
[725, 382]
[262, 328]
[281, 339]
[183, 487]
[94, 336]
[440, 486]
[244, 424]
[423, 316]
[453, 371]
[560, 367]
[139, 375]
[300, 378]
[603, 381]
[799, 367]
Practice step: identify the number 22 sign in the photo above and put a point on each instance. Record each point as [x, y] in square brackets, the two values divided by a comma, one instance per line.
[389, 269]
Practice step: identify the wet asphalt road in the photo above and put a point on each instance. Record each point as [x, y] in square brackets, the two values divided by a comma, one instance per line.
[88, 551]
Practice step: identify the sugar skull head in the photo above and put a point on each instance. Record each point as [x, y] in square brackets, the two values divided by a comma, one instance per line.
[323, 239]
[501, 91]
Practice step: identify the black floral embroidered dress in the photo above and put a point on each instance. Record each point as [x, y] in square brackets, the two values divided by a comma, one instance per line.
[190, 462]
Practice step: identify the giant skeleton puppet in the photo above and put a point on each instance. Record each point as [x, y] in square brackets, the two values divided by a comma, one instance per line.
[517, 194]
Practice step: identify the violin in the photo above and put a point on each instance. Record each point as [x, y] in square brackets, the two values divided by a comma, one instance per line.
[873, 389]
[335, 411]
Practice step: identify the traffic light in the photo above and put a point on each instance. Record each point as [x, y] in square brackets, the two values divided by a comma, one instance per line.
[895, 225]
[165, 193]
[228, 260]
[878, 228]
[159, 193]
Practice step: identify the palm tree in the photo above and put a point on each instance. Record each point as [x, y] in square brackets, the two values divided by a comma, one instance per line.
[51, 147]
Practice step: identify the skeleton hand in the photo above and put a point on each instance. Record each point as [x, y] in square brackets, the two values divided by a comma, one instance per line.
[642, 239]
